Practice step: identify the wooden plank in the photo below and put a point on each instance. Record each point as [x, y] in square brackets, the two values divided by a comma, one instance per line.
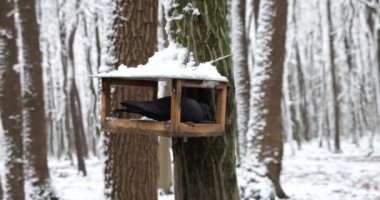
[202, 84]
[221, 103]
[143, 83]
[200, 130]
[139, 125]
[159, 128]
[105, 99]
[155, 91]
[175, 108]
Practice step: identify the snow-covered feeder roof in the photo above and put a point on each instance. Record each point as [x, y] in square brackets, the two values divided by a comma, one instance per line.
[204, 71]
[173, 62]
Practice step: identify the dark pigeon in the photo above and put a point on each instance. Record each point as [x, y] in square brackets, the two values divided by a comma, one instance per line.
[159, 109]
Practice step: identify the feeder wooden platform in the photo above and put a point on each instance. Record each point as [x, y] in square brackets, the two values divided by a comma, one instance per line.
[172, 128]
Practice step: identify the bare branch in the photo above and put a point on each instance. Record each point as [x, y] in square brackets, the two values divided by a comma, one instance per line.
[371, 4]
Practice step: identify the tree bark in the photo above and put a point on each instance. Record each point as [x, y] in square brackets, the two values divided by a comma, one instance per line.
[65, 121]
[205, 167]
[32, 93]
[10, 106]
[240, 71]
[336, 106]
[74, 101]
[266, 122]
[1, 189]
[131, 160]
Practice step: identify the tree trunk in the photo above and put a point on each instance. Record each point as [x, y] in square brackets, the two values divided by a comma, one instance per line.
[74, 101]
[205, 167]
[65, 120]
[10, 106]
[131, 160]
[1, 189]
[240, 71]
[34, 124]
[93, 111]
[332, 65]
[267, 90]
[78, 128]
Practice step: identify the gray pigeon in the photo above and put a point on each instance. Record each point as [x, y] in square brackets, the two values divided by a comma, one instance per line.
[159, 109]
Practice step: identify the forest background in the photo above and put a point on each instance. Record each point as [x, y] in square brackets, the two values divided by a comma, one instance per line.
[301, 73]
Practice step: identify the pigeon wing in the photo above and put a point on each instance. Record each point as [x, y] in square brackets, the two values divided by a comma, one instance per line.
[191, 110]
[148, 109]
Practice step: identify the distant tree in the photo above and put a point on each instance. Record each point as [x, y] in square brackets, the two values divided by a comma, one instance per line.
[32, 93]
[265, 125]
[1, 189]
[65, 119]
[10, 105]
[131, 166]
[74, 99]
[334, 76]
[205, 167]
[73, 112]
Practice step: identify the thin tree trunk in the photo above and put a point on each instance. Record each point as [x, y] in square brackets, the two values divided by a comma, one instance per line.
[34, 124]
[1, 190]
[205, 167]
[332, 65]
[240, 71]
[131, 159]
[93, 111]
[74, 101]
[65, 120]
[53, 132]
[10, 106]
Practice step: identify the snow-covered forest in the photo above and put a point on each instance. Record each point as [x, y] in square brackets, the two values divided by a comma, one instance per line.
[302, 117]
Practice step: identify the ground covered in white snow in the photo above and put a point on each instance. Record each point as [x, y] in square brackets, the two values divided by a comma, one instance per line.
[317, 174]
[311, 173]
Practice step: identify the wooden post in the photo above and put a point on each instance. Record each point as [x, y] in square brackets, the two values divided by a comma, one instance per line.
[221, 106]
[155, 90]
[175, 110]
[105, 103]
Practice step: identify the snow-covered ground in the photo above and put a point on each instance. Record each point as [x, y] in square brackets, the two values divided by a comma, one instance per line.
[70, 185]
[309, 174]
[316, 174]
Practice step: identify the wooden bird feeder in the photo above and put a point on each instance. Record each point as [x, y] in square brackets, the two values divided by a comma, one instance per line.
[174, 127]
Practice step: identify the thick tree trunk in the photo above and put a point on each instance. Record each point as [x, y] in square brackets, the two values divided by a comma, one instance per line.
[268, 71]
[205, 167]
[34, 125]
[10, 106]
[131, 160]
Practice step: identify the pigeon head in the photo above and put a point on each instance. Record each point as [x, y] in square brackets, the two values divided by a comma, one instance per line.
[206, 115]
